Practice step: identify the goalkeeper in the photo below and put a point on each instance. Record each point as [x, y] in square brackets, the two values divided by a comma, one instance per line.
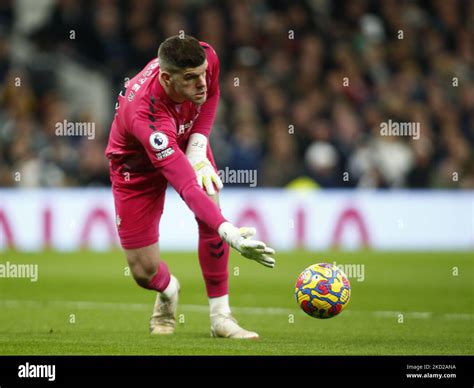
[160, 135]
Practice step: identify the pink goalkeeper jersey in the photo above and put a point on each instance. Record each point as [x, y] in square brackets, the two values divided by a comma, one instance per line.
[150, 131]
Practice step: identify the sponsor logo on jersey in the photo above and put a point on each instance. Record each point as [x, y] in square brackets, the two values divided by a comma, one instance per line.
[184, 127]
[165, 153]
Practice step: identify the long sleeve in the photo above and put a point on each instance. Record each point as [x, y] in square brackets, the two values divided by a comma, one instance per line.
[182, 177]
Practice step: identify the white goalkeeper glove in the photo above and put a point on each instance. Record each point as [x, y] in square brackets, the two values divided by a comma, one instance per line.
[205, 173]
[241, 240]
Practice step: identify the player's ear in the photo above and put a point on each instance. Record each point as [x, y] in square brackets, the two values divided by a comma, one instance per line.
[165, 77]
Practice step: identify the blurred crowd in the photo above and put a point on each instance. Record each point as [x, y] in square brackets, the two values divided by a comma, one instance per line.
[305, 86]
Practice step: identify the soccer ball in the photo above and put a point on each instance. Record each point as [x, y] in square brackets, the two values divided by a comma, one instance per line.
[322, 290]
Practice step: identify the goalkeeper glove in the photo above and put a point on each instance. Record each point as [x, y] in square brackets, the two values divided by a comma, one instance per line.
[240, 239]
[205, 173]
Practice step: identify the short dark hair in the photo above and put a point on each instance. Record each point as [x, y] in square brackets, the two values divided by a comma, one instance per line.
[177, 53]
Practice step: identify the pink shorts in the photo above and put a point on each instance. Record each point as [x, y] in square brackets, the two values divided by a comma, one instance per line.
[139, 201]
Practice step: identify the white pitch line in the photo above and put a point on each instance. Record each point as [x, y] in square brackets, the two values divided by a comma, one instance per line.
[133, 306]
[410, 314]
[91, 305]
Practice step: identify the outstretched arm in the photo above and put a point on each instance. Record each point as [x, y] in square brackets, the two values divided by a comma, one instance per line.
[161, 148]
[181, 176]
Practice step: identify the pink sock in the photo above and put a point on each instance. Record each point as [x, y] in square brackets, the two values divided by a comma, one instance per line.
[161, 279]
[213, 258]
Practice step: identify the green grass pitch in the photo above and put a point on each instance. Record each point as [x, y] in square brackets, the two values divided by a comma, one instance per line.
[85, 304]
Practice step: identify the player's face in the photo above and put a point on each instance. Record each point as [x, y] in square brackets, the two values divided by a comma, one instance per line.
[191, 84]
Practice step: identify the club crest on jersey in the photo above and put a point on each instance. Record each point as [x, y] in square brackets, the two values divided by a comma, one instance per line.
[159, 141]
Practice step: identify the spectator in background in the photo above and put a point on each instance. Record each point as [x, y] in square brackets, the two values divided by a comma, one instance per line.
[282, 162]
[322, 163]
